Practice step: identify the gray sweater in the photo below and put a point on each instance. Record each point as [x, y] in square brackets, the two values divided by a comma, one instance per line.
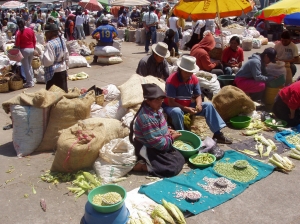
[254, 68]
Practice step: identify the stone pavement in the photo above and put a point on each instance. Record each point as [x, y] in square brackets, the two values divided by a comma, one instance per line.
[274, 199]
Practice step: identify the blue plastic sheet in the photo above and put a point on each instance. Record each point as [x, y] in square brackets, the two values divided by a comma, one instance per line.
[165, 189]
[281, 136]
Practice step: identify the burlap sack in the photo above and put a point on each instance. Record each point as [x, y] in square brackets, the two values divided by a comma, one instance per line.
[78, 146]
[64, 114]
[231, 101]
[132, 92]
[39, 99]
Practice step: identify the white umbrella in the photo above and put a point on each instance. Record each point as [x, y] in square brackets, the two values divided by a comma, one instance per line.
[12, 5]
[130, 2]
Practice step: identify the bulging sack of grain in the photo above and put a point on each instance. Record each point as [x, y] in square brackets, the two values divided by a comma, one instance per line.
[64, 114]
[116, 159]
[132, 92]
[78, 146]
[73, 47]
[143, 36]
[138, 36]
[110, 60]
[231, 101]
[106, 51]
[247, 44]
[29, 125]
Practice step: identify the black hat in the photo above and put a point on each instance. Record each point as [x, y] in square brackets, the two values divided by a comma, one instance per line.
[51, 27]
[271, 52]
[152, 91]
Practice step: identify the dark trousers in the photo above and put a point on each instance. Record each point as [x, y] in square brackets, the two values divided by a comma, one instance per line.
[282, 111]
[60, 80]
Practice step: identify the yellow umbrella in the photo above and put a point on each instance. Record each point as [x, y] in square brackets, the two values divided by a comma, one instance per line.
[284, 7]
[209, 9]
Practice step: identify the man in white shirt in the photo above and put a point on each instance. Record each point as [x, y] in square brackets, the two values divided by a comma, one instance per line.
[79, 27]
[287, 51]
[150, 20]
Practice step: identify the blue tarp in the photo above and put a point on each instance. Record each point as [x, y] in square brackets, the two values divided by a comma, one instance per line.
[281, 136]
[165, 189]
[292, 19]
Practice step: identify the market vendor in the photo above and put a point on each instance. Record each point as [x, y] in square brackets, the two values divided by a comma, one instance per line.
[252, 76]
[135, 15]
[153, 140]
[184, 96]
[10, 27]
[105, 34]
[122, 21]
[155, 64]
[233, 56]
[55, 58]
[287, 104]
[200, 52]
[287, 51]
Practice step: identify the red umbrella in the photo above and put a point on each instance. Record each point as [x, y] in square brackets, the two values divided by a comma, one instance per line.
[92, 5]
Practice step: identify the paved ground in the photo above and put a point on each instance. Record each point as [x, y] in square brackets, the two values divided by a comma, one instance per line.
[271, 200]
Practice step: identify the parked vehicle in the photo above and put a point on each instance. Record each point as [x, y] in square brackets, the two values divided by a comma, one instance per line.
[46, 6]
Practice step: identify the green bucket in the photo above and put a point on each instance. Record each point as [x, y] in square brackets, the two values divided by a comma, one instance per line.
[275, 83]
[226, 80]
[192, 139]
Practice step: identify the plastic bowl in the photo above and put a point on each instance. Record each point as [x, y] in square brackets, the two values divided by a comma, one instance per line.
[105, 189]
[269, 123]
[240, 122]
[191, 138]
[202, 165]
[226, 80]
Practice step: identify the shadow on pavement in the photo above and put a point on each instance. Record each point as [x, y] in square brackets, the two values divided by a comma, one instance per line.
[7, 149]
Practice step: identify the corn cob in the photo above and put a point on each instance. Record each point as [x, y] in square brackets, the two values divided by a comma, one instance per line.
[274, 147]
[269, 149]
[173, 211]
[181, 216]
[251, 132]
[161, 212]
[260, 149]
[298, 147]
[137, 221]
[295, 156]
[289, 161]
[158, 220]
[145, 219]
[295, 151]
[111, 198]
[262, 139]
[91, 179]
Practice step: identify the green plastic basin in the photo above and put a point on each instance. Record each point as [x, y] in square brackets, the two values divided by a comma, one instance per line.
[192, 139]
[240, 122]
[226, 80]
[105, 189]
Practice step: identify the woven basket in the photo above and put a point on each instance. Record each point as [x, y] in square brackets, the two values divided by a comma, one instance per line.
[15, 82]
[36, 63]
[99, 99]
[3, 85]
[15, 54]
[216, 53]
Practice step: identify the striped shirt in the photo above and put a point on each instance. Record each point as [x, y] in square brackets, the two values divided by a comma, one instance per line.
[150, 19]
[182, 92]
[151, 129]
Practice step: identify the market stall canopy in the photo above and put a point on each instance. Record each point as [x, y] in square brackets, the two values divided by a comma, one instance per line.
[292, 19]
[279, 10]
[208, 9]
[12, 5]
[92, 5]
[105, 2]
[130, 2]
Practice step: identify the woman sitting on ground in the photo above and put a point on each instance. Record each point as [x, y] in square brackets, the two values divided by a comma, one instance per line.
[252, 76]
[287, 104]
[200, 52]
[169, 40]
[153, 140]
[232, 56]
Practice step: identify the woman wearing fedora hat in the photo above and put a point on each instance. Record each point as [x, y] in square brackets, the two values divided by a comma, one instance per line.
[155, 64]
[184, 96]
[153, 140]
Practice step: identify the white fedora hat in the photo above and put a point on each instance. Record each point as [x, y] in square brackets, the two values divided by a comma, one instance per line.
[188, 64]
[161, 49]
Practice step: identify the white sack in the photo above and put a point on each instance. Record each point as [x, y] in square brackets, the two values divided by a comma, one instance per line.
[111, 92]
[77, 61]
[106, 51]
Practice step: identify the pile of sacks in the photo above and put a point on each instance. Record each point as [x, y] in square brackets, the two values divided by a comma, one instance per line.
[108, 55]
[77, 50]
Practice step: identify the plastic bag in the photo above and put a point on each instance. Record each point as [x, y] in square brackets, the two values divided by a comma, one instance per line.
[210, 146]
[117, 158]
